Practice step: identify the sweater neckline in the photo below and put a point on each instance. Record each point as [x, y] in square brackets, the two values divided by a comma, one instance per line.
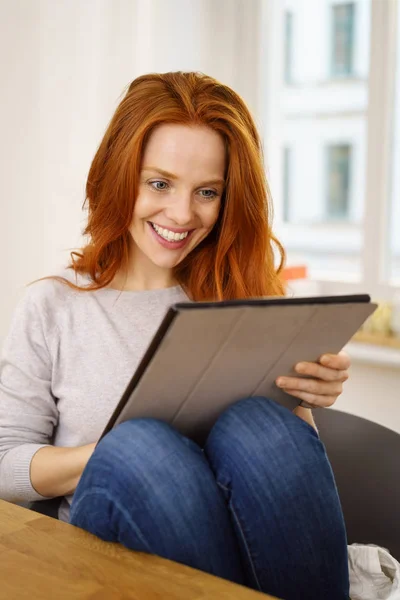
[156, 292]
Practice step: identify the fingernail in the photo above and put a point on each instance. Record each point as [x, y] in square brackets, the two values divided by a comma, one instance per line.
[280, 382]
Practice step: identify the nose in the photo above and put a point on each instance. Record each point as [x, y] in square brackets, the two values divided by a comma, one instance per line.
[180, 209]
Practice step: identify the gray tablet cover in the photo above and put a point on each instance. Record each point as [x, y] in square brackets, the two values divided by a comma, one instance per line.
[206, 356]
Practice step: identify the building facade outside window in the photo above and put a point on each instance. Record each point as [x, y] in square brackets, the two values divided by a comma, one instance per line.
[337, 190]
[319, 191]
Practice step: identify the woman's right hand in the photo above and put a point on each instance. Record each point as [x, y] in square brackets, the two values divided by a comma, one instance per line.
[56, 471]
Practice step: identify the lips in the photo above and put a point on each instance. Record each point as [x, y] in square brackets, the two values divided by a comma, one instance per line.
[169, 234]
[173, 229]
[170, 244]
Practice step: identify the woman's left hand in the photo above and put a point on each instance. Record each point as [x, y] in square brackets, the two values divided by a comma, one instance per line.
[326, 380]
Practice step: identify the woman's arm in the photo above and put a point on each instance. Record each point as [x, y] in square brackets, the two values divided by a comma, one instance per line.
[56, 471]
[28, 410]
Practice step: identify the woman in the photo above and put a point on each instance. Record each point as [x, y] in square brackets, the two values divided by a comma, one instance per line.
[178, 209]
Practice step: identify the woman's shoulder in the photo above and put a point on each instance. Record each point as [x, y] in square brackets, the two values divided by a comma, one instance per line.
[40, 303]
[49, 292]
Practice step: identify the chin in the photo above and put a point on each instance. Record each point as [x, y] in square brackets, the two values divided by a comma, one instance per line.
[168, 265]
[166, 262]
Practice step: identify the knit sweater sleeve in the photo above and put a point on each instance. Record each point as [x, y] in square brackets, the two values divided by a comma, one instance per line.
[28, 410]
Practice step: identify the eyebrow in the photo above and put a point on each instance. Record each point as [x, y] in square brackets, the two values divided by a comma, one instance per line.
[168, 175]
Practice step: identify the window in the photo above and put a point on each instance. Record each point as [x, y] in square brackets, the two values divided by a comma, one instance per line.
[287, 160]
[337, 207]
[342, 39]
[319, 200]
[288, 50]
[338, 180]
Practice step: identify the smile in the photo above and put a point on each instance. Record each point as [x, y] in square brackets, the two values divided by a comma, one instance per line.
[168, 235]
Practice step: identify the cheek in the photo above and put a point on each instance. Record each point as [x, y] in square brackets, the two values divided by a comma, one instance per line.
[211, 216]
[145, 206]
[139, 209]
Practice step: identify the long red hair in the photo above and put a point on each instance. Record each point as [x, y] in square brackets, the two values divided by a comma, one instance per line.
[236, 260]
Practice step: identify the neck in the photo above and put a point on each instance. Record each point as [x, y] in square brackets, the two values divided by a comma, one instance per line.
[141, 274]
[134, 282]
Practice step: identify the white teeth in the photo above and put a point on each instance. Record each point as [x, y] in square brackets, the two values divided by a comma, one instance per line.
[168, 235]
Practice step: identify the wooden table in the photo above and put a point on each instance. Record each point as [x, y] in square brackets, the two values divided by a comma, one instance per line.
[42, 558]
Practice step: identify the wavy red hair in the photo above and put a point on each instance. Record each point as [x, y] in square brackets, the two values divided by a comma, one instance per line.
[236, 260]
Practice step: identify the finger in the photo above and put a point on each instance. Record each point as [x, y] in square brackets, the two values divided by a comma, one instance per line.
[319, 372]
[312, 399]
[312, 386]
[339, 361]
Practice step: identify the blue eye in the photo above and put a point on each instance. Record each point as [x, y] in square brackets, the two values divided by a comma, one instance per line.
[155, 185]
[161, 186]
[211, 194]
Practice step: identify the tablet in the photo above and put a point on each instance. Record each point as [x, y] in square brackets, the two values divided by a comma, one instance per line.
[206, 356]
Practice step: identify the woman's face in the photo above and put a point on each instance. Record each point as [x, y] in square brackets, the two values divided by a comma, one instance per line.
[179, 199]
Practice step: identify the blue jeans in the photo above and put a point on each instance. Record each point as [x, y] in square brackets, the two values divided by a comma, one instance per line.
[257, 506]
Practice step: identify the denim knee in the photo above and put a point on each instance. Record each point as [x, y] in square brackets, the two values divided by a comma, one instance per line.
[256, 428]
[261, 413]
[152, 490]
[138, 445]
[136, 460]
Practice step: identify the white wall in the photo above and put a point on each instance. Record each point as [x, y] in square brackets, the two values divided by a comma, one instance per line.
[373, 392]
[395, 235]
[64, 67]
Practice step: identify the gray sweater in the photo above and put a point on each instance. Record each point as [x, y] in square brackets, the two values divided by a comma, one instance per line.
[65, 364]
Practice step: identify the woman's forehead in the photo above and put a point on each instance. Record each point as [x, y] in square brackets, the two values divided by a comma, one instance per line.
[183, 149]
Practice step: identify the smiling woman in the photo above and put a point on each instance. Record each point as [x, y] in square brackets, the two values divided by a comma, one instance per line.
[179, 209]
[181, 152]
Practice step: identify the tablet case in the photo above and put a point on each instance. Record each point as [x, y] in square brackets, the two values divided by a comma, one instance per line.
[206, 356]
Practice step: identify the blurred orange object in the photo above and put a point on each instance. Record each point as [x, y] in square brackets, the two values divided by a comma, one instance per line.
[294, 272]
